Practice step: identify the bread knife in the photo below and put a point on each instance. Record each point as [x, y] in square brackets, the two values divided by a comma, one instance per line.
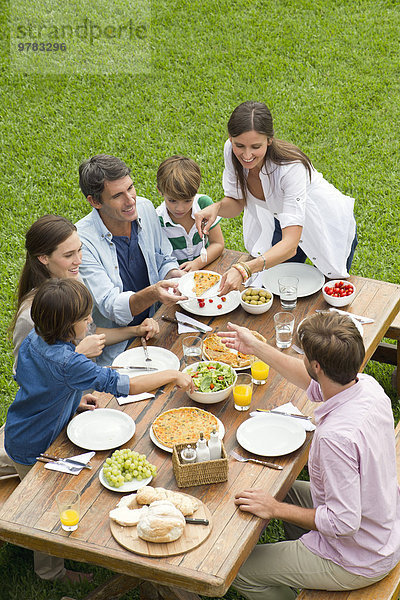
[197, 521]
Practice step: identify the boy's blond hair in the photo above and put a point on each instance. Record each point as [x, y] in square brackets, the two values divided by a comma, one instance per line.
[178, 178]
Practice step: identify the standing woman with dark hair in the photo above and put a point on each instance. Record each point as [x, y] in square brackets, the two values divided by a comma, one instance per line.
[290, 211]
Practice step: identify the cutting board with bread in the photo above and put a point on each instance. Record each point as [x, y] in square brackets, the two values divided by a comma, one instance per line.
[153, 522]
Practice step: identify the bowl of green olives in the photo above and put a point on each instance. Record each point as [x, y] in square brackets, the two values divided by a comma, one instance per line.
[256, 301]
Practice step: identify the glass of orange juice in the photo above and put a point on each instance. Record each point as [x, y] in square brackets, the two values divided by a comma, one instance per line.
[242, 391]
[259, 372]
[68, 507]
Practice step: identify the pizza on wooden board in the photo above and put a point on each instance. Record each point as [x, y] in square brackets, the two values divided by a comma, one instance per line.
[203, 281]
[215, 349]
[183, 425]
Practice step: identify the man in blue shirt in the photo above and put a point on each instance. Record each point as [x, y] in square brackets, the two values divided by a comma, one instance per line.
[126, 259]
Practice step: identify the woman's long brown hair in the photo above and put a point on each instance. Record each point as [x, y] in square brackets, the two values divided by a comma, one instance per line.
[256, 116]
[42, 238]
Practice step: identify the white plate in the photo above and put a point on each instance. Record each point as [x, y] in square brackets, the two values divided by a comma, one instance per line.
[310, 279]
[186, 285]
[210, 309]
[161, 359]
[128, 486]
[101, 429]
[221, 433]
[270, 435]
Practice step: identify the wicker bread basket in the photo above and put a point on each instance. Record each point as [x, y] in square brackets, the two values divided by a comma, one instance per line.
[210, 471]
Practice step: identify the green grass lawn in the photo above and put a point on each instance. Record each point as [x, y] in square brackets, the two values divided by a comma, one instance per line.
[328, 70]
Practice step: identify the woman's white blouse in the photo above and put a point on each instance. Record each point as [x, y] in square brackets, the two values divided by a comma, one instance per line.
[325, 214]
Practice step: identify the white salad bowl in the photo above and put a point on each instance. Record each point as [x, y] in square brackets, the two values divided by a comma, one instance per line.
[210, 397]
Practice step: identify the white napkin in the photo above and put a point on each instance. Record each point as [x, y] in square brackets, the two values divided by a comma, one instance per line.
[64, 468]
[256, 280]
[185, 328]
[289, 407]
[134, 398]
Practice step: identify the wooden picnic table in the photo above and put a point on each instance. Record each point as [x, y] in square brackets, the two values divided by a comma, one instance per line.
[29, 518]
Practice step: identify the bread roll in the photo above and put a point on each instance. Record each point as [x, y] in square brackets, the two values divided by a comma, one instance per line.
[127, 500]
[186, 504]
[162, 522]
[127, 517]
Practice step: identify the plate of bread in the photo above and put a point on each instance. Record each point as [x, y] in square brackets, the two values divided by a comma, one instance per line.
[215, 349]
[153, 522]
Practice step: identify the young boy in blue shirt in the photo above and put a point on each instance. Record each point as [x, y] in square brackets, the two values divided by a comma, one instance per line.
[52, 376]
[178, 181]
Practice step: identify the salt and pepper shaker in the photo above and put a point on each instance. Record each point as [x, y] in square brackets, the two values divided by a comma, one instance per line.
[188, 455]
[203, 452]
[214, 445]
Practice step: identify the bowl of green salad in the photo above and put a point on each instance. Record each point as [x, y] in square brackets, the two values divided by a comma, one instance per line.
[213, 381]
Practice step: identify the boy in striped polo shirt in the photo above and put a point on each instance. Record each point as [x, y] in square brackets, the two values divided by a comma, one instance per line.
[178, 181]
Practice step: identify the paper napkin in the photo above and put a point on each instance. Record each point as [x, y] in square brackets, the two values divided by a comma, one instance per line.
[135, 397]
[65, 468]
[289, 407]
[256, 280]
[184, 328]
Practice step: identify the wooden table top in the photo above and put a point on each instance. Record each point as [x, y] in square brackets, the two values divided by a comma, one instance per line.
[30, 519]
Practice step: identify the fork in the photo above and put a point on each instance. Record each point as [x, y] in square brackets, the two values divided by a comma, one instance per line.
[203, 251]
[146, 352]
[259, 462]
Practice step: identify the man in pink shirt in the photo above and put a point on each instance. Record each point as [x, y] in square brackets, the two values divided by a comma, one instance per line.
[344, 524]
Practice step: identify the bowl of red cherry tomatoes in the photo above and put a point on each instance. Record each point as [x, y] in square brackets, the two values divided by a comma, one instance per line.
[339, 293]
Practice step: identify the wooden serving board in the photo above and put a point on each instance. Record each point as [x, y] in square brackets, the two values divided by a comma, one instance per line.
[193, 536]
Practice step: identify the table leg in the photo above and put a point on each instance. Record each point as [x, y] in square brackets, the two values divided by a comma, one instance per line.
[113, 588]
[174, 593]
[147, 591]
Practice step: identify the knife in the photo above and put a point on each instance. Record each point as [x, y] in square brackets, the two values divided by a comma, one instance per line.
[197, 521]
[280, 412]
[72, 461]
[171, 320]
[133, 368]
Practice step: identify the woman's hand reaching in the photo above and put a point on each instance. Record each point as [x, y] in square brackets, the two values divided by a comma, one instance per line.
[231, 280]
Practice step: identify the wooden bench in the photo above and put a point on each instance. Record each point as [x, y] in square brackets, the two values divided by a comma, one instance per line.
[7, 484]
[390, 353]
[386, 589]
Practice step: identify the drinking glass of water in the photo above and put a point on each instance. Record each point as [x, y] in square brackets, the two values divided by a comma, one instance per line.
[288, 291]
[192, 346]
[284, 324]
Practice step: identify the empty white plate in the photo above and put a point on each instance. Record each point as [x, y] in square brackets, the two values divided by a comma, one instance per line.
[310, 279]
[270, 435]
[101, 429]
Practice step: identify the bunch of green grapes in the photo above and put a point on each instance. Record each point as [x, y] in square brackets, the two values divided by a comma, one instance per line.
[126, 465]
